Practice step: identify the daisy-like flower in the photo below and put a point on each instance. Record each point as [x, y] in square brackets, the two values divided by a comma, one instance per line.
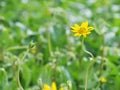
[82, 30]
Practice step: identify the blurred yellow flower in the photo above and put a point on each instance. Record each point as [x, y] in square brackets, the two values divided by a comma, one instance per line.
[61, 88]
[47, 87]
[81, 30]
[54, 86]
[103, 80]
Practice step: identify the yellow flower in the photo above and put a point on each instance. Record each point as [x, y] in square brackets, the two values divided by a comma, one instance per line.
[54, 86]
[81, 30]
[47, 87]
[103, 80]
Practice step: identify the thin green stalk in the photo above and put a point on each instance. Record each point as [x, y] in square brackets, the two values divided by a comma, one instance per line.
[25, 54]
[49, 43]
[18, 72]
[102, 59]
[103, 55]
[69, 85]
[17, 48]
[18, 78]
[86, 50]
[86, 75]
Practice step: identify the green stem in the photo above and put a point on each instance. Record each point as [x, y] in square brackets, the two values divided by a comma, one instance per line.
[102, 59]
[103, 55]
[86, 75]
[49, 43]
[86, 50]
[19, 62]
[17, 48]
[19, 65]
[25, 54]
[18, 77]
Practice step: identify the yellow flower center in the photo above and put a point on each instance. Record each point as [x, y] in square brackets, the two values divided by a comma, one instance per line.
[82, 30]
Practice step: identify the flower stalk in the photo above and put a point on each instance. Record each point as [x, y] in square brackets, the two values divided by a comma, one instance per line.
[89, 66]
[19, 68]
[102, 60]
[83, 30]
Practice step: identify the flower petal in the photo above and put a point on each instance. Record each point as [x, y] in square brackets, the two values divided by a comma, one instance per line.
[75, 27]
[88, 32]
[90, 28]
[74, 30]
[84, 24]
[77, 34]
[72, 27]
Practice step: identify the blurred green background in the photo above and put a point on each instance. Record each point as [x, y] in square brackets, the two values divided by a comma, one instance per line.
[43, 27]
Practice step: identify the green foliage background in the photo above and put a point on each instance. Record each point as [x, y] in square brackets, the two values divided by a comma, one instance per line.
[56, 55]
